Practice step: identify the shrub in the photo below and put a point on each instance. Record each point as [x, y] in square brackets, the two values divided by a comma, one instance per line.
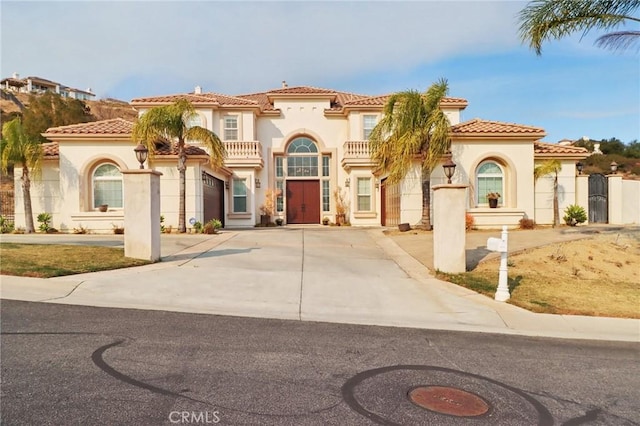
[197, 227]
[45, 221]
[80, 230]
[574, 215]
[527, 223]
[469, 222]
[6, 227]
[212, 226]
[117, 229]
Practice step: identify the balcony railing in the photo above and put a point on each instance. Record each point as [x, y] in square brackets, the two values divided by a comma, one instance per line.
[356, 153]
[244, 153]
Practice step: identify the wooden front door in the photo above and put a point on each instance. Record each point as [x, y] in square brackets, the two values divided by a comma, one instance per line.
[303, 201]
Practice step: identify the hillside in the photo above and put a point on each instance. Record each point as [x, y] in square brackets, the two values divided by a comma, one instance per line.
[103, 109]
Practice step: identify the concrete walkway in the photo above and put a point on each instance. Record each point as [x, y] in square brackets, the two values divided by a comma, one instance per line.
[314, 273]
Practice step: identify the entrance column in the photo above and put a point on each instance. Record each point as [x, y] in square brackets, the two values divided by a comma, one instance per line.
[142, 214]
[449, 233]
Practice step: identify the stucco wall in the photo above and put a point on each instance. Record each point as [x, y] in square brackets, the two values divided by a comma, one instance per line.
[630, 201]
[544, 193]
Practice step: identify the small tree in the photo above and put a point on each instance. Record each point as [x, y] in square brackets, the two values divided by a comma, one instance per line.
[18, 148]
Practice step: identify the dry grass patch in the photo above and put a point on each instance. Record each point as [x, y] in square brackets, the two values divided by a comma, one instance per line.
[45, 261]
[597, 276]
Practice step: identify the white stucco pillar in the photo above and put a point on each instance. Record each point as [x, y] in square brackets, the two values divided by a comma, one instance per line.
[582, 192]
[142, 214]
[449, 235]
[615, 199]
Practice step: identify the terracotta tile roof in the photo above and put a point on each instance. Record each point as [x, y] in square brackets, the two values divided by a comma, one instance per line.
[165, 148]
[549, 148]
[478, 126]
[303, 90]
[197, 99]
[262, 98]
[50, 150]
[115, 126]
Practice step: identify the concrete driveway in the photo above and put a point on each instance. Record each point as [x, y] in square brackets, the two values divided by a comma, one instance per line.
[315, 273]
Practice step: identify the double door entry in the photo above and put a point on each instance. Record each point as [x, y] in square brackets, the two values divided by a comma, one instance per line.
[303, 201]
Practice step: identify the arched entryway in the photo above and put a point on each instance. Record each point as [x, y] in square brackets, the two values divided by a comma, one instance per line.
[306, 181]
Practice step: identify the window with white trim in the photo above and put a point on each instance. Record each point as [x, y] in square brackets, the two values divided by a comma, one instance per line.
[107, 186]
[240, 195]
[368, 123]
[231, 128]
[364, 194]
[194, 119]
[489, 178]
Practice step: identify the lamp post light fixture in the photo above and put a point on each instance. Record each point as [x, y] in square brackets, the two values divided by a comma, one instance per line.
[579, 166]
[449, 169]
[614, 167]
[141, 154]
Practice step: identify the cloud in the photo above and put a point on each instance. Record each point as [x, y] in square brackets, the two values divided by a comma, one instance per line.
[237, 47]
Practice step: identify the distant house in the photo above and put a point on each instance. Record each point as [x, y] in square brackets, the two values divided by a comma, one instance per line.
[38, 85]
[307, 143]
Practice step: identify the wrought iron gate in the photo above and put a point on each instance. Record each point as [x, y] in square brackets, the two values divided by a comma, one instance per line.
[598, 203]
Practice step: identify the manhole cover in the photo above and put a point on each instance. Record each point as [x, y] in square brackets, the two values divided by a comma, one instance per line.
[447, 400]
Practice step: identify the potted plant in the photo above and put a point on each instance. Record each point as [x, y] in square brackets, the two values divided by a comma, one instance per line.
[493, 197]
[341, 206]
[279, 221]
[103, 207]
[325, 220]
[269, 207]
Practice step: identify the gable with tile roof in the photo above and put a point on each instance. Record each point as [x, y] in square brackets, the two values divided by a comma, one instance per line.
[307, 143]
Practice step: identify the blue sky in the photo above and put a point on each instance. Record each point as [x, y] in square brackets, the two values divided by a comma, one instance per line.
[131, 49]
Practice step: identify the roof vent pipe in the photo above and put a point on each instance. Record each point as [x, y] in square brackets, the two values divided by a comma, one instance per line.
[284, 84]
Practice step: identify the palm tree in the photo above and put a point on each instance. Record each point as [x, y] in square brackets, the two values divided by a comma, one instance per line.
[171, 123]
[18, 148]
[550, 167]
[553, 19]
[413, 126]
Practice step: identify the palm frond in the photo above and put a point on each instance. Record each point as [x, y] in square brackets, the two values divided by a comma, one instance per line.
[544, 20]
[549, 167]
[619, 40]
[215, 147]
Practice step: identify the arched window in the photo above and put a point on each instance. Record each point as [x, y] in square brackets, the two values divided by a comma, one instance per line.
[194, 119]
[489, 178]
[302, 159]
[107, 186]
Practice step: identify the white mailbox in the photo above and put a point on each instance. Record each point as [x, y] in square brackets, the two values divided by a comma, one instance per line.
[497, 244]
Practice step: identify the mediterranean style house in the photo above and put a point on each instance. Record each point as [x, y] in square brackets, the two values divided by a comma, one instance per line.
[309, 144]
[39, 85]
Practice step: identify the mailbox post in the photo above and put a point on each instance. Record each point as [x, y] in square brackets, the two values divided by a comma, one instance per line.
[500, 245]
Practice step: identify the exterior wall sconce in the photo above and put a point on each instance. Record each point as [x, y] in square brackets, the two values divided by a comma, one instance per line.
[449, 169]
[226, 184]
[258, 184]
[614, 167]
[579, 166]
[347, 182]
[141, 154]
[377, 184]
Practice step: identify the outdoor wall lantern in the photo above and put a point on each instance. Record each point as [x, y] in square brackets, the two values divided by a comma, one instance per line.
[614, 167]
[258, 184]
[226, 184]
[347, 182]
[141, 154]
[449, 169]
[579, 166]
[377, 184]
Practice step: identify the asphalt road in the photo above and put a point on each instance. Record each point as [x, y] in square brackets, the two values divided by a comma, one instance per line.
[74, 365]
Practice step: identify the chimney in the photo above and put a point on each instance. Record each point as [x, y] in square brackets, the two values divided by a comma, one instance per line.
[16, 75]
[89, 90]
[197, 90]
[284, 84]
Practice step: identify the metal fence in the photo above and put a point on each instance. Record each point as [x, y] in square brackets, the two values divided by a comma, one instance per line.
[7, 208]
